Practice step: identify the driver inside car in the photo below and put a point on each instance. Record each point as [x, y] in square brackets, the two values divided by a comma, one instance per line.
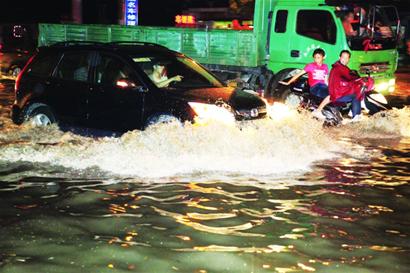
[159, 76]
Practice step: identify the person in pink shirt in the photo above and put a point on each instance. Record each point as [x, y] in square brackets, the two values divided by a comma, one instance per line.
[318, 80]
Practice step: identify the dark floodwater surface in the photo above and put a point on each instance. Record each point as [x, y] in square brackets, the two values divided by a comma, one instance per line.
[280, 196]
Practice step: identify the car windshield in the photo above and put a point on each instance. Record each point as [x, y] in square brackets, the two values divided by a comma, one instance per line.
[176, 72]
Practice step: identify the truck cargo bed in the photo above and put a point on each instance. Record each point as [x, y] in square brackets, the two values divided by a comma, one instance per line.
[221, 47]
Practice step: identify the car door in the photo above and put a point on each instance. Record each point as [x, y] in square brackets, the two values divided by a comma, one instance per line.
[70, 85]
[110, 104]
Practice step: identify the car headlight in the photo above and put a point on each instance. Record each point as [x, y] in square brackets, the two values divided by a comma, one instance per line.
[211, 112]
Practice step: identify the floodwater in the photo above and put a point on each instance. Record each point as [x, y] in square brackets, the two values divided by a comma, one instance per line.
[281, 195]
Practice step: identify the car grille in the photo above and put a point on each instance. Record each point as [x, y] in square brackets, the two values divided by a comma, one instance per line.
[254, 113]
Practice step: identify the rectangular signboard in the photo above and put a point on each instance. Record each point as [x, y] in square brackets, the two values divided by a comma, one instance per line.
[131, 12]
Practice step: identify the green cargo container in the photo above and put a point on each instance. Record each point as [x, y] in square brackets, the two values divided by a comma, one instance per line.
[209, 47]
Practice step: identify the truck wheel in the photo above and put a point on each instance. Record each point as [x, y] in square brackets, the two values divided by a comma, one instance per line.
[39, 114]
[272, 88]
[161, 118]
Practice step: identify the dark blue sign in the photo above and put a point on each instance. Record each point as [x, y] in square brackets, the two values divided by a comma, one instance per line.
[131, 12]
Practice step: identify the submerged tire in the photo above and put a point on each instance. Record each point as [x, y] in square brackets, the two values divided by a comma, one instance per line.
[39, 114]
[291, 98]
[333, 116]
[161, 118]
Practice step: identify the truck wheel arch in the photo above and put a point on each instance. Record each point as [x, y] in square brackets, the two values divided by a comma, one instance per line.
[273, 83]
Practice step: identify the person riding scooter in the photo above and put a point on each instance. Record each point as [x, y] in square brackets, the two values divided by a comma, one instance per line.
[317, 77]
[342, 87]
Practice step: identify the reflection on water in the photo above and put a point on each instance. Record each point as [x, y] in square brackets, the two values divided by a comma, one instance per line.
[345, 215]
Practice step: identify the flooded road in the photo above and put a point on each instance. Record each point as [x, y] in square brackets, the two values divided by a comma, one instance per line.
[281, 195]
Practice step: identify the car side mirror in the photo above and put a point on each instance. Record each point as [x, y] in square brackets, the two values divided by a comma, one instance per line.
[127, 84]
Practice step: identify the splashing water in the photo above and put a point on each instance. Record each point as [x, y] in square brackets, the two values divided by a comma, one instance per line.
[262, 147]
[387, 124]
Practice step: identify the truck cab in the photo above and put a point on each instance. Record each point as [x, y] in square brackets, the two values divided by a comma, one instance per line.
[299, 27]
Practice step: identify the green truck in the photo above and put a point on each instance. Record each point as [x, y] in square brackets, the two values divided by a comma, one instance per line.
[281, 40]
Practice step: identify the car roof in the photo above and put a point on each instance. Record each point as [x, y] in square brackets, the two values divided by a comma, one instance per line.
[121, 47]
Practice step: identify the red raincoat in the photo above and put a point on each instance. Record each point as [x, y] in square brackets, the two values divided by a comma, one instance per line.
[341, 81]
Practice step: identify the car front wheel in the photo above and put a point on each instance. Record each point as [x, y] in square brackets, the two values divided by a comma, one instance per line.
[161, 118]
[39, 114]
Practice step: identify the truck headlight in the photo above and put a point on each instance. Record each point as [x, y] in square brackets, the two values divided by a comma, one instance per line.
[382, 87]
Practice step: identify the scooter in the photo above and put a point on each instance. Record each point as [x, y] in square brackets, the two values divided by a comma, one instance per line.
[298, 95]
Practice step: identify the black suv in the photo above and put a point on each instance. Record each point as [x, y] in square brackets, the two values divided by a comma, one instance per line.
[123, 86]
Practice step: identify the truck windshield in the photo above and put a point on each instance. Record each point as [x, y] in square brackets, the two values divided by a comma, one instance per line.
[176, 72]
[370, 28]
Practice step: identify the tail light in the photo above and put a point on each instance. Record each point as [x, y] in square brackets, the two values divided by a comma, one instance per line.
[18, 79]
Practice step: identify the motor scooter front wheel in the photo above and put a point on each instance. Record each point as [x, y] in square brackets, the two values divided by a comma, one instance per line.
[333, 116]
[291, 98]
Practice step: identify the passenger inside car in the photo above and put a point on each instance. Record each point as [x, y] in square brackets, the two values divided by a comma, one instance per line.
[109, 70]
[81, 72]
[159, 76]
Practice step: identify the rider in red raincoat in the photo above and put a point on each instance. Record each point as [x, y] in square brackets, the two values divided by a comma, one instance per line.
[343, 85]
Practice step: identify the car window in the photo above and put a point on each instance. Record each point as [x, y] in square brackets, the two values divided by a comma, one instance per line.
[43, 65]
[74, 66]
[175, 71]
[317, 24]
[110, 69]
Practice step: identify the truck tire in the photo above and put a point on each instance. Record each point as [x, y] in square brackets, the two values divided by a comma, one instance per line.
[39, 114]
[271, 90]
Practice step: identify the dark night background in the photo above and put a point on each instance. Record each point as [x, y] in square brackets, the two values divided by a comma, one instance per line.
[151, 12]
[97, 11]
